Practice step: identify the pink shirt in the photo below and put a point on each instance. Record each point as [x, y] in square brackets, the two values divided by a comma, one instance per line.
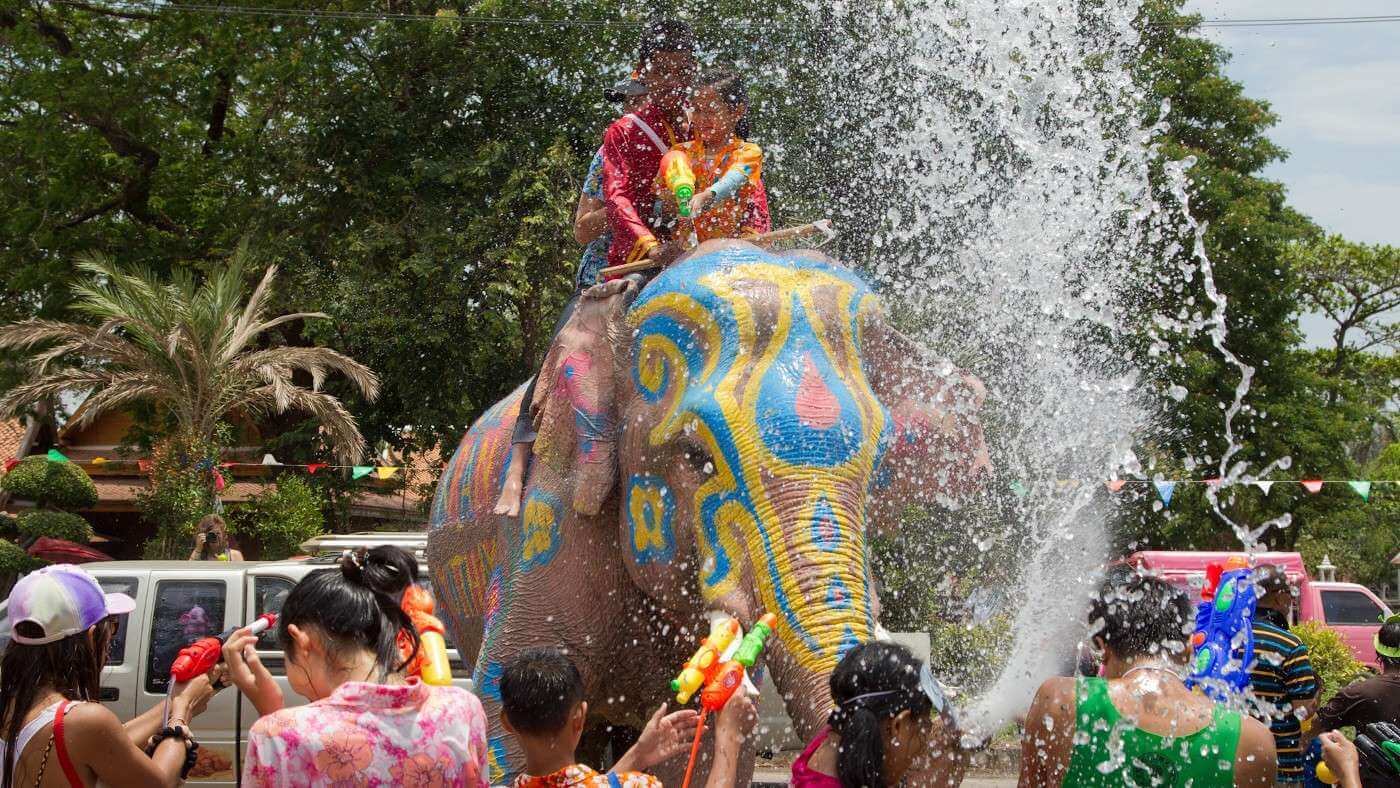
[803, 776]
[411, 734]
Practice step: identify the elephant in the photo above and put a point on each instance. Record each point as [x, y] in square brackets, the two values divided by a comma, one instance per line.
[720, 439]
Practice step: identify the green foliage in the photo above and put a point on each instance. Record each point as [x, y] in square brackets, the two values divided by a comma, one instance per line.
[57, 525]
[61, 485]
[969, 657]
[14, 561]
[282, 517]
[182, 491]
[9, 525]
[1330, 657]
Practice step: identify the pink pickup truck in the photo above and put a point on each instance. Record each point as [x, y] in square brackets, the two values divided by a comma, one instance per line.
[1351, 610]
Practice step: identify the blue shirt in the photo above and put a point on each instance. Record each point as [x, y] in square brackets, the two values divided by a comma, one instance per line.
[595, 255]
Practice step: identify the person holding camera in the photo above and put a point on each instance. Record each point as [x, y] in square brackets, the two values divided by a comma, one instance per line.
[211, 541]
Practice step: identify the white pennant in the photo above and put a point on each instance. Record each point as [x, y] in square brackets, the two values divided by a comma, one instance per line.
[1265, 486]
[268, 459]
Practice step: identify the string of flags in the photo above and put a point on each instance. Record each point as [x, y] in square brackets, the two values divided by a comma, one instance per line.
[1166, 488]
[144, 465]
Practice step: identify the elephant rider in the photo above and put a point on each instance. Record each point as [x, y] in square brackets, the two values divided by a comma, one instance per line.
[542, 705]
[631, 154]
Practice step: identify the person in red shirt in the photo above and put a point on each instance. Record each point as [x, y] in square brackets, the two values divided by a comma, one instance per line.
[634, 144]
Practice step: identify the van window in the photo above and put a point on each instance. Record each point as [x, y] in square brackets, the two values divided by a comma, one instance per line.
[268, 595]
[1350, 608]
[118, 585]
[185, 611]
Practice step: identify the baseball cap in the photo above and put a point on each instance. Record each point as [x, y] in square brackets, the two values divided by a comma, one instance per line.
[625, 88]
[62, 600]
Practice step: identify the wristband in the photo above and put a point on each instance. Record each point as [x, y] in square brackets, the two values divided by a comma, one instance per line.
[183, 734]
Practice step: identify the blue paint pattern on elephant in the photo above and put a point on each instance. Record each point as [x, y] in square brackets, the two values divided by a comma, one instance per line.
[650, 506]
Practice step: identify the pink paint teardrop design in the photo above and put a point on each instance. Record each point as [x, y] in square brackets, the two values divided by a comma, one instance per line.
[817, 407]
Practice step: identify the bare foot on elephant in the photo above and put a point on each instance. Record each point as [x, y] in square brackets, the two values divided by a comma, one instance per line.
[508, 503]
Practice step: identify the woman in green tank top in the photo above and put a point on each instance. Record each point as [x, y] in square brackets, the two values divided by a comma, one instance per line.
[1139, 725]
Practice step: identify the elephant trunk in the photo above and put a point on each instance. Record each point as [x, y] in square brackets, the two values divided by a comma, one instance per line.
[823, 603]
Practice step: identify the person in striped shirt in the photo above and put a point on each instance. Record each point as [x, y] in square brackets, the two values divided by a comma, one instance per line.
[1282, 678]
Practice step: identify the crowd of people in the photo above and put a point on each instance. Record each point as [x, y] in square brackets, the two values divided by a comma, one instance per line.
[348, 644]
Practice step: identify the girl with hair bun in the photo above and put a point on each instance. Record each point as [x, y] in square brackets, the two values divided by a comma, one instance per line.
[367, 721]
[889, 712]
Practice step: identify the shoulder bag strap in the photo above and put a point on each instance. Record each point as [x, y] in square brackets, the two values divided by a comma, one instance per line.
[650, 132]
[61, 747]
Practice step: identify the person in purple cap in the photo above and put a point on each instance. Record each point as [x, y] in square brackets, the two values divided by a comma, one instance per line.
[55, 733]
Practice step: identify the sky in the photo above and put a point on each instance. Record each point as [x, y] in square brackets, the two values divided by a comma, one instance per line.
[1336, 90]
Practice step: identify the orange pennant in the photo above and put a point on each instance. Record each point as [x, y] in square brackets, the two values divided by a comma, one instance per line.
[1312, 485]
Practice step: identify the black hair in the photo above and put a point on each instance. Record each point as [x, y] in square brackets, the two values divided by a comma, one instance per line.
[664, 35]
[867, 670]
[1140, 615]
[358, 607]
[539, 689]
[1389, 636]
[730, 87]
[72, 667]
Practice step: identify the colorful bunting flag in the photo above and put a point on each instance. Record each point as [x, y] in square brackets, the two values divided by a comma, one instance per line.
[55, 455]
[1313, 486]
[218, 482]
[360, 471]
[268, 459]
[1165, 490]
[386, 471]
[99, 460]
[1114, 485]
[10, 464]
[315, 466]
[1363, 489]
[1265, 486]
[144, 466]
[1019, 489]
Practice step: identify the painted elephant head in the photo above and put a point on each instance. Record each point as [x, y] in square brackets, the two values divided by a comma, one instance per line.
[744, 409]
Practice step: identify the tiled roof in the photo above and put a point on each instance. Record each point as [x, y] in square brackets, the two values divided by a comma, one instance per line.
[11, 436]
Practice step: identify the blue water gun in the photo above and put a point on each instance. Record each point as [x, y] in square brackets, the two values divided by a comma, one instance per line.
[1224, 627]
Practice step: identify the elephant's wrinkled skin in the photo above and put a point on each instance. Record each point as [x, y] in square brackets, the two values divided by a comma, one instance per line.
[716, 441]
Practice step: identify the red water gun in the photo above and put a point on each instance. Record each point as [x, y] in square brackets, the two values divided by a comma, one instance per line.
[199, 657]
[722, 665]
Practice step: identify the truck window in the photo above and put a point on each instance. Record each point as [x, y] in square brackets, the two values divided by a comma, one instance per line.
[185, 611]
[268, 595]
[1349, 608]
[118, 585]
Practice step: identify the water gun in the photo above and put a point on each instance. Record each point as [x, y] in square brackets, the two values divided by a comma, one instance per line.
[1377, 748]
[680, 179]
[1224, 616]
[201, 656]
[702, 668]
[732, 673]
[430, 664]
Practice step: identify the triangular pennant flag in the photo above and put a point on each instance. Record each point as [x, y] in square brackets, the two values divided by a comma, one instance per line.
[99, 460]
[1165, 490]
[1114, 485]
[268, 459]
[1019, 489]
[1363, 489]
[386, 471]
[315, 466]
[227, 464]
[218, 482]
[143, 465]
[55, 455]
[360, 471]
[1312, 485]
[1264, 485]
[10, 464]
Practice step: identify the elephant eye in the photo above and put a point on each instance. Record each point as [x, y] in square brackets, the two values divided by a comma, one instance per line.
[698, 458]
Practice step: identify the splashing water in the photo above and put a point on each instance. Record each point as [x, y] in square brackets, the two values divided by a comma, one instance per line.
[1007, 152]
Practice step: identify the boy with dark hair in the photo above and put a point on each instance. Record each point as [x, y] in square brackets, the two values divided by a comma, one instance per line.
[634, 144]
[542, 705]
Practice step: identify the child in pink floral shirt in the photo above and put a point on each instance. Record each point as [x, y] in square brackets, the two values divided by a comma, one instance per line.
[366, 725]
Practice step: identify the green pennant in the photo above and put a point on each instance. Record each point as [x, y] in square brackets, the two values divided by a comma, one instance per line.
[360, 471]
[1019, 489]
[56, 456]
[1363, 489]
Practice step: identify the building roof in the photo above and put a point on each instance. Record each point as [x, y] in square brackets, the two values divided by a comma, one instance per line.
[12, 432]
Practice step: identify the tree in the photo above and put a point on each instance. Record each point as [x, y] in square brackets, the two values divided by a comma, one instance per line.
[281, 518]
[49, 484]
[1357, 286]
[190, 349]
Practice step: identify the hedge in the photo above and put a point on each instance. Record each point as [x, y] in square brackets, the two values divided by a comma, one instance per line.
[14, 561]
[58, 525]
[1331, 659]
[60, 485]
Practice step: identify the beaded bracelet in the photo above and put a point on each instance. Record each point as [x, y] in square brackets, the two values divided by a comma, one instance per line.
[191, 747]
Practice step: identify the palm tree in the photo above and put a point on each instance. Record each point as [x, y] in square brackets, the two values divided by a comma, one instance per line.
[190, 349]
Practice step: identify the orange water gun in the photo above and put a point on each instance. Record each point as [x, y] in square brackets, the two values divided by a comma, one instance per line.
[700, 669]
[680, 179]
[720, 667]
[430, 663]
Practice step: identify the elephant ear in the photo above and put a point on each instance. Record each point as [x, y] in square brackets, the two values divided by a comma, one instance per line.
[575, 408]
[936, 449]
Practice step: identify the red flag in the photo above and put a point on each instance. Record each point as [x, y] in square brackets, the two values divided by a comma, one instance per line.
[1312, 485]
[315, 466]
[218, 482]
[144, 465]
[10, 464]
[1114, 485]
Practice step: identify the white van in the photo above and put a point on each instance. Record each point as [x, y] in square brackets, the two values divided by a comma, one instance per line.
[178, 602]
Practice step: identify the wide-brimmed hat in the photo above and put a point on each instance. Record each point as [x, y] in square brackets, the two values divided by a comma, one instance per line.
[61, 600]
[630, 87]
